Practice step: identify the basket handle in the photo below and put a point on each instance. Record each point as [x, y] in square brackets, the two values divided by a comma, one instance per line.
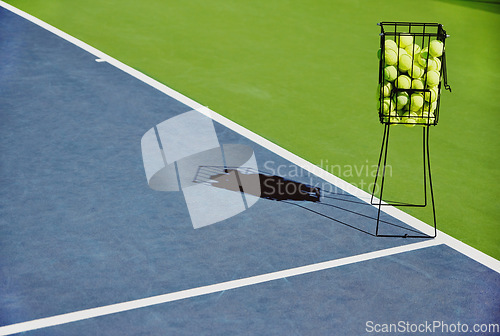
[445, 73]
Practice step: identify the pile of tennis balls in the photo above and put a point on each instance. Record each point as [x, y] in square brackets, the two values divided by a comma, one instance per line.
[411, 76]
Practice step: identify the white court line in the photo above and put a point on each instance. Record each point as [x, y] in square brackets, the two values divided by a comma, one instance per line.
[396, 213]
[193, 292]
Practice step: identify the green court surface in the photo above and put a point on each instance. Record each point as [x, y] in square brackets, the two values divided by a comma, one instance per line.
[304, 75]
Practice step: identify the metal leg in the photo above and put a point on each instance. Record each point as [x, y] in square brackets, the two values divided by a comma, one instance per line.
[382, 163]
[386, 129]
[384, 151]
[430, 184]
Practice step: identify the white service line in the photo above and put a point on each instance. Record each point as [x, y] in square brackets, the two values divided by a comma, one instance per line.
[204, 290]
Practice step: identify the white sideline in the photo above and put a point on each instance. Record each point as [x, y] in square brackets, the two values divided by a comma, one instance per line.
[193, 292]
[442, 238]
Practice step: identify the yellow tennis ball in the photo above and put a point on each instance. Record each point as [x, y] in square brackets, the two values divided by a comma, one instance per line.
[436, 48]
[413, 49]
[429, 107]
[391, 116]
[417, 84]
[390, 73]
[432, 78]
[416, 71]
[409, 119]
[422, 57]
[403, 82]
[416, 102]
[432, 64]
[385, 90]
[390, 44]
[390, 57]
[401, 100]
[405, 62]
[431, 95]
[405, 40]
[388, 105]
[438, 64]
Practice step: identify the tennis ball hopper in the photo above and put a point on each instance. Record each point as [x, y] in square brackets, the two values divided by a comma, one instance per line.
[412, 73]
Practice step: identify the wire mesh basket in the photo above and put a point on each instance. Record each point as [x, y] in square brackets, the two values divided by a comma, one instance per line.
[412, 69]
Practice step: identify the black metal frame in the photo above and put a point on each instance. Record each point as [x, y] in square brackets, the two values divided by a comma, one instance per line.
[422, 32]
[427, 180]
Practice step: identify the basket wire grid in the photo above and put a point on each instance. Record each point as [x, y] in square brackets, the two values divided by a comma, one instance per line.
[390, 109]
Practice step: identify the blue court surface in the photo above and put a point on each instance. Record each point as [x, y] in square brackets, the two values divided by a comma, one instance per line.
[108, 227]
